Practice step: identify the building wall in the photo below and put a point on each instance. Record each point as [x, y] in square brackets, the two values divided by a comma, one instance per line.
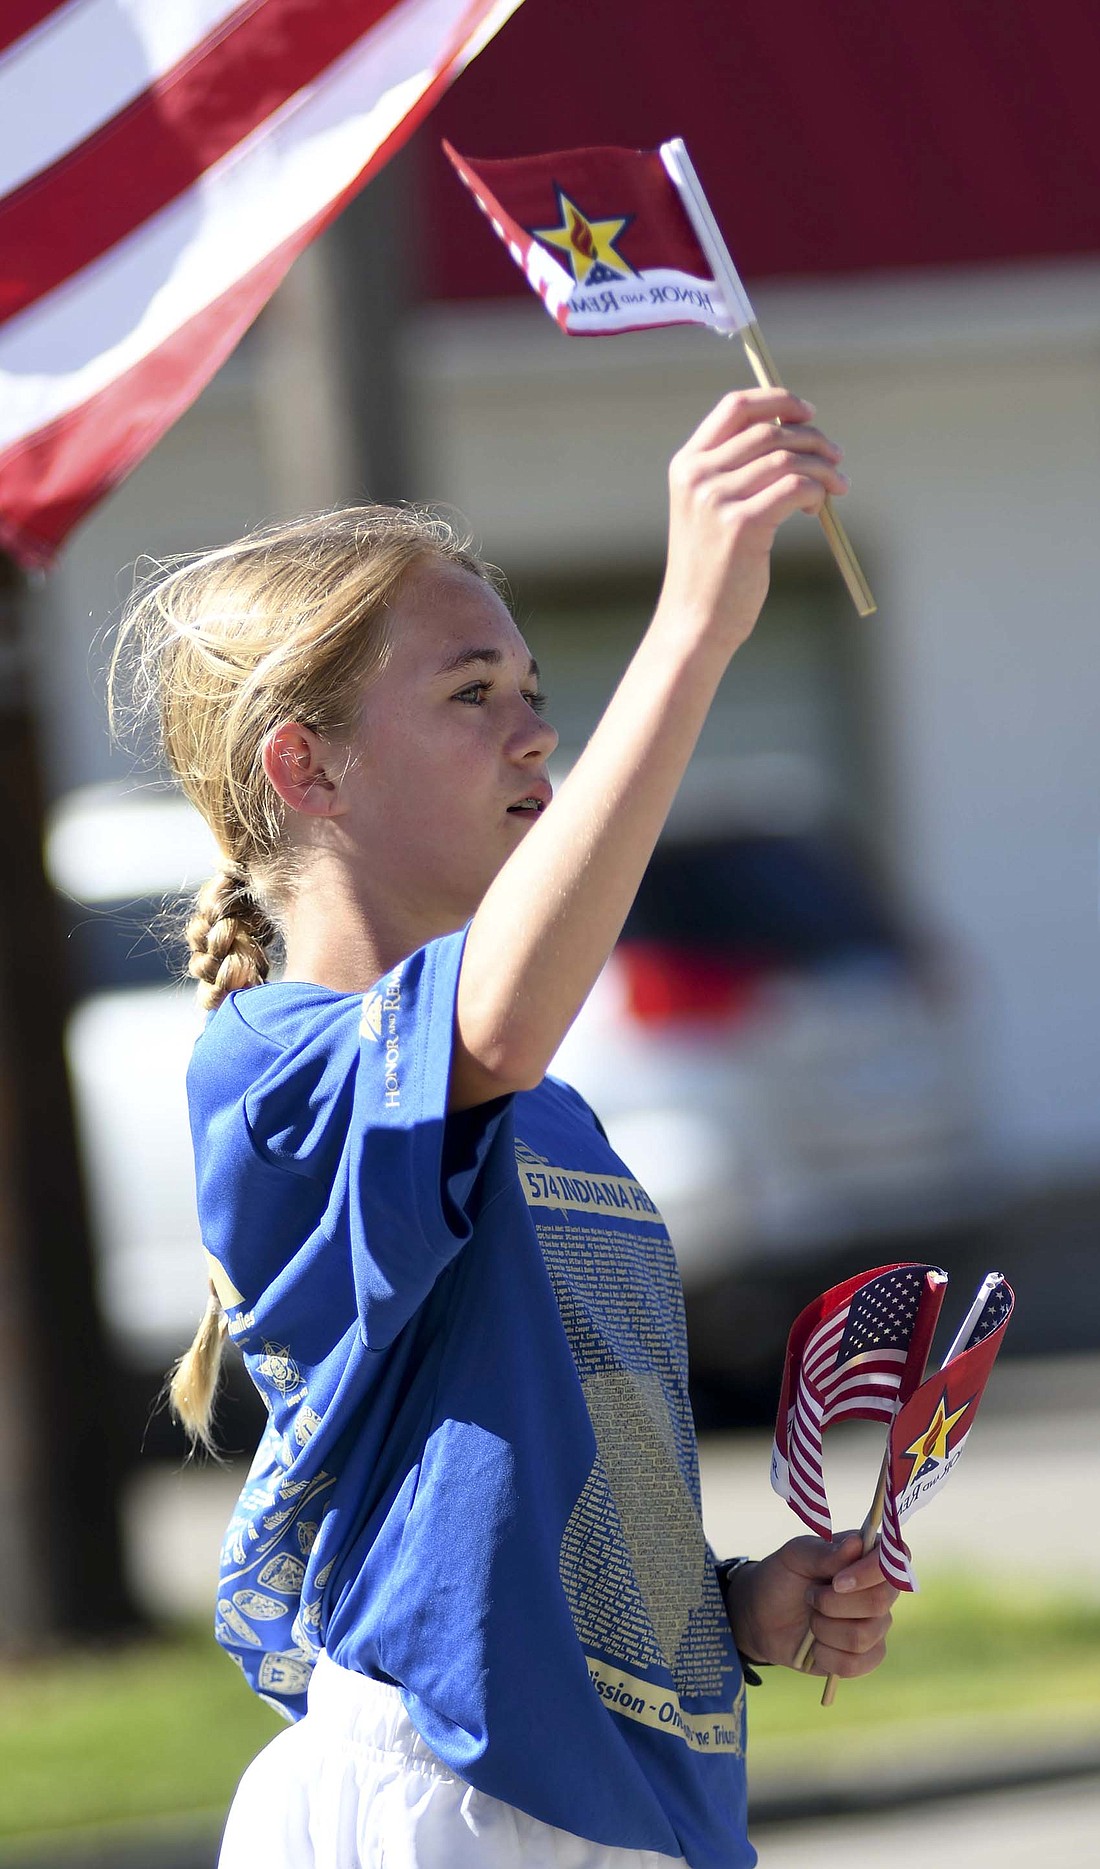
[969, 407]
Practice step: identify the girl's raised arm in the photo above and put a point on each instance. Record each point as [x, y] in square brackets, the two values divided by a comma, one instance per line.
[548, 922]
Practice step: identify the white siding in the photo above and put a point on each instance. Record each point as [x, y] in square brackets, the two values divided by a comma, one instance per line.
[969, 407]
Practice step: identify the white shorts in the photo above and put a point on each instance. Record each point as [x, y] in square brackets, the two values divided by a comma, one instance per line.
[353, 1786]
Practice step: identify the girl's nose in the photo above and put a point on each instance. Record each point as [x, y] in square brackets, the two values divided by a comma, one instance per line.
[534, 735]
[545, 737]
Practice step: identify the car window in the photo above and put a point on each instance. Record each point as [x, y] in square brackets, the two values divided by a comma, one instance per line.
[791, 899]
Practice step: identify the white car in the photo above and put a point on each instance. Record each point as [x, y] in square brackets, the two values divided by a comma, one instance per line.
[781, 1065]
[784, 1070]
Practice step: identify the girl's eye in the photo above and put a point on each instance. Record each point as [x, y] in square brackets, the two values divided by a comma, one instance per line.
[477, 693]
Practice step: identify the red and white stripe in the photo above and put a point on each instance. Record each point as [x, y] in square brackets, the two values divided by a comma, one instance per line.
[161, 166]
[893, 1552]
[866, 1384]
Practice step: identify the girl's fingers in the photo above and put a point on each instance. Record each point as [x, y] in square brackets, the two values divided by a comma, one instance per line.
[762, 438]
[850, 1638]
[862, 1574]
[742, 407]
[842, 1662]
[741, 483]
[876, 1600]
[803, 492]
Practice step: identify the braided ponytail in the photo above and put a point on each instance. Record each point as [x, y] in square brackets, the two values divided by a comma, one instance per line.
[194, 1379]
[228, 935]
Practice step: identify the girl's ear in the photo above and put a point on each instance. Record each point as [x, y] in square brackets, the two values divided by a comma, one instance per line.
[294, 761]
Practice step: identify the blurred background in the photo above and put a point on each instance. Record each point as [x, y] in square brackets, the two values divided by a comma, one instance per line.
[855, 1015]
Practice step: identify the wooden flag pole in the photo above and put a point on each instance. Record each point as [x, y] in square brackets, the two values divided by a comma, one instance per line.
[805, 1650]
[682, 173]
[766, 374]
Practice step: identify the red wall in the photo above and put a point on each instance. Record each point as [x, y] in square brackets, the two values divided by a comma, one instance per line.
[831, 135]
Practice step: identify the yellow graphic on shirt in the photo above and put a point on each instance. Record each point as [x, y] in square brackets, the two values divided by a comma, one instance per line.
[574, 1191]
[235, 1621]
[228, 1295]
[634, 1561]
[278, 1367]
[640, 1700]
[286, 1673]
[283, 1573]
[257, 1607]
[306, 1423]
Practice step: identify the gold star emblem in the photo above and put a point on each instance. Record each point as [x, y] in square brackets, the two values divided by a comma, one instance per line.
[589, 245]
[932, 1444]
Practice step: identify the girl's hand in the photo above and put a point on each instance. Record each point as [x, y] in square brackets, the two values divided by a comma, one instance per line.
[752, 462]
[830, 1587]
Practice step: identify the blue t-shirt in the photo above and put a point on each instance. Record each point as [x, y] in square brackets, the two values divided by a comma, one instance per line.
[478, 1478]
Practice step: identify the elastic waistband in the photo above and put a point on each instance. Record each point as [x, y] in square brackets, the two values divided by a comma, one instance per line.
[369, 1713]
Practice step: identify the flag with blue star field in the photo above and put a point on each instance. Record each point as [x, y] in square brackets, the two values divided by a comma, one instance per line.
[856, 1353]
[604, 239]
[932, 1427]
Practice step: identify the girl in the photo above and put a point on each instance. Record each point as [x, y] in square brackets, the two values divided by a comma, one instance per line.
[469, 1550]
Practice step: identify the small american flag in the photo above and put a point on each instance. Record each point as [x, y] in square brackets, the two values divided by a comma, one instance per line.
[857, 1352]
[931, 1428]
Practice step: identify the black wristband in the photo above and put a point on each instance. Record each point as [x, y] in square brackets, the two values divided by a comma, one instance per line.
[725, 1571]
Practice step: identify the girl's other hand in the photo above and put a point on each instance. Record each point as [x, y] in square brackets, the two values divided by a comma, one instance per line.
[826, 1585]
[750, 464]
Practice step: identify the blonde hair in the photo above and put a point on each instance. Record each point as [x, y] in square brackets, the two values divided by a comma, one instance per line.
[288, 623]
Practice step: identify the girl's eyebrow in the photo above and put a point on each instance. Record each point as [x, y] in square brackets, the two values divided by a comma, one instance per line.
[493, 658]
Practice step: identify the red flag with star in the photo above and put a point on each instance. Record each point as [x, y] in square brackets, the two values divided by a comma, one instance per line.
[932, 1427]
[605, 239]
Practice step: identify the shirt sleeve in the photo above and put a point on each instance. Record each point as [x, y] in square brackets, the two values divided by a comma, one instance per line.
[369, 1119]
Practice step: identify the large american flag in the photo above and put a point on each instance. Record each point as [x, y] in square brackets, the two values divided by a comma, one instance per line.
[162, 163]
[857, 1352]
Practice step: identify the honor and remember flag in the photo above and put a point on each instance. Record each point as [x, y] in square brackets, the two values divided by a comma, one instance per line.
[932, 1426]
[624, 240]
[605, 239]
[162, 164]
[857, 1353]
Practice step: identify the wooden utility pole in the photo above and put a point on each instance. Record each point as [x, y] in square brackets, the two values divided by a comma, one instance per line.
[60, 1545]
[331, 401]
[369, 254]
